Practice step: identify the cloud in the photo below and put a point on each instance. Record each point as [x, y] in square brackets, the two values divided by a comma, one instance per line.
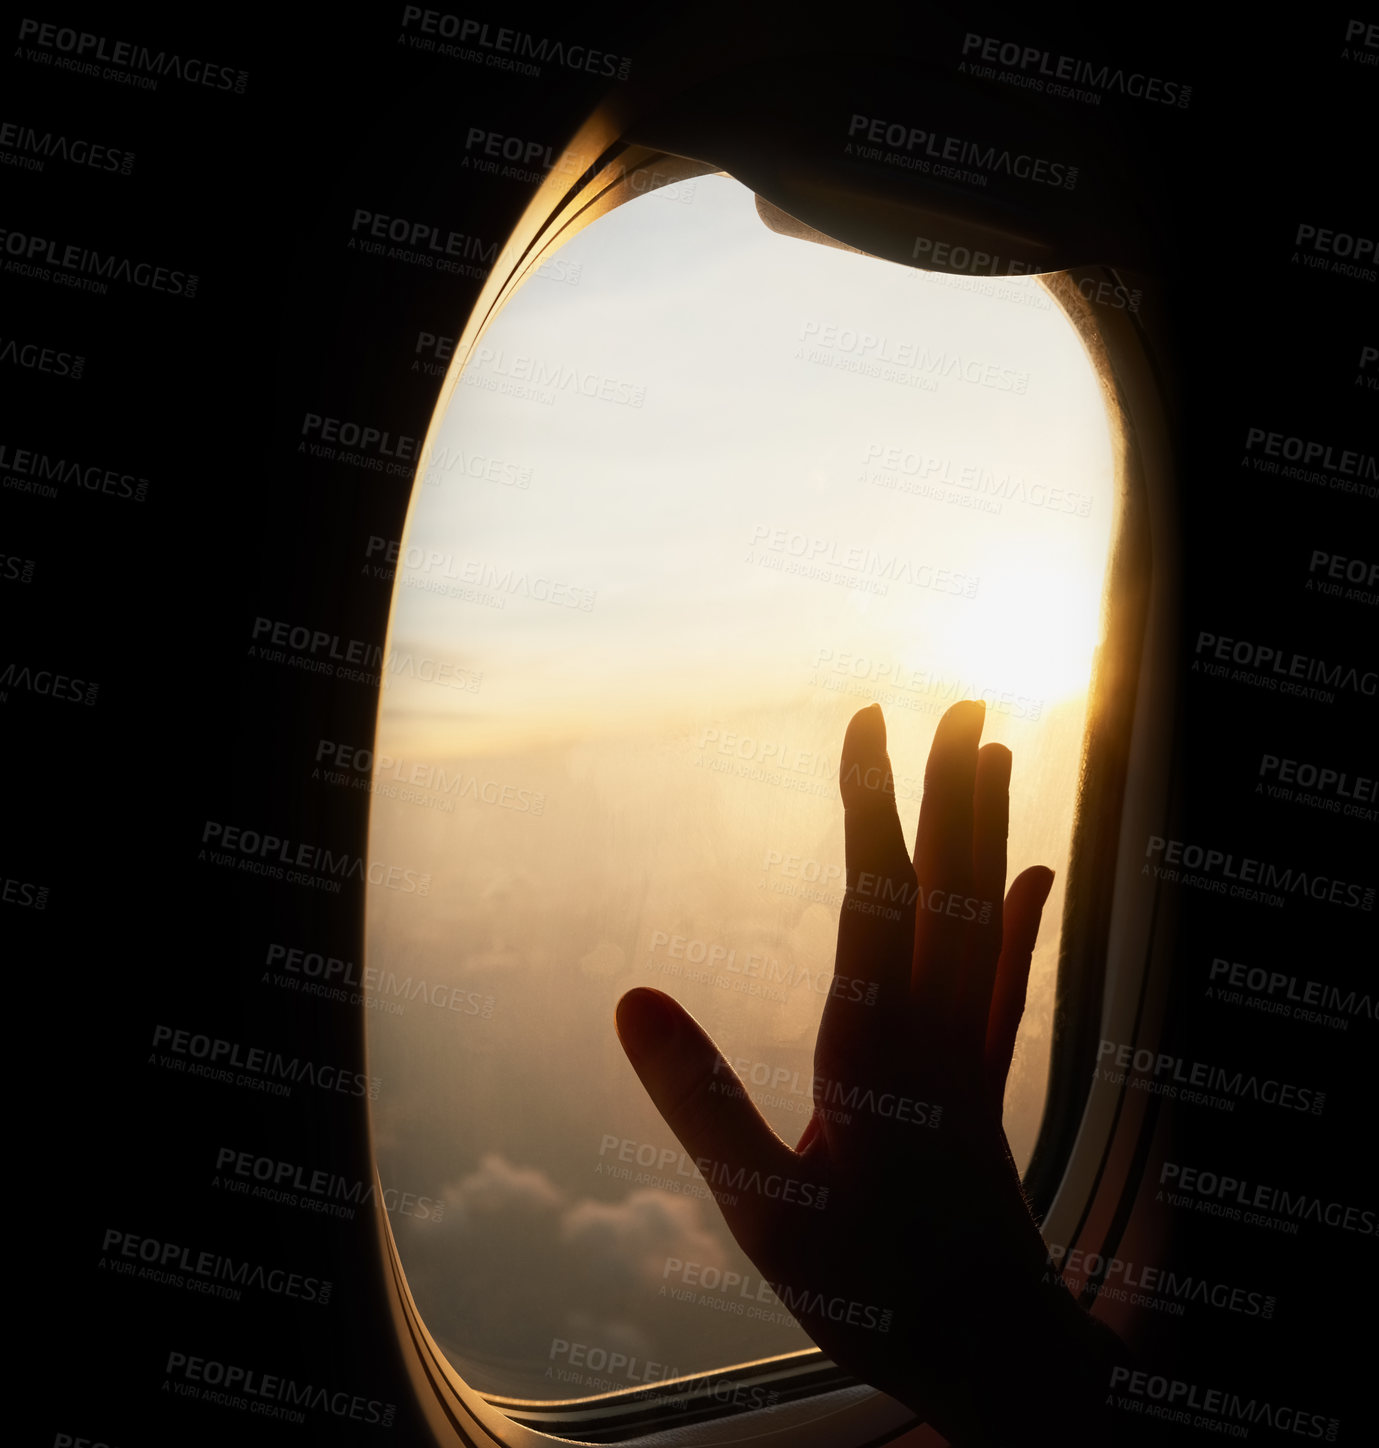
[622, 1248]
[498, 1187]
[516, 1267]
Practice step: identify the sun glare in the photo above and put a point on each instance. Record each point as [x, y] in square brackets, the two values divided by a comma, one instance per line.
[700, 494]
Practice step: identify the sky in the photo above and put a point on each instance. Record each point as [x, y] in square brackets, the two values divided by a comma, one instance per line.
[702, 493]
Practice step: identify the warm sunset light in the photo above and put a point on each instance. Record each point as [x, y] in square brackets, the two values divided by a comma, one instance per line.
[702, 492]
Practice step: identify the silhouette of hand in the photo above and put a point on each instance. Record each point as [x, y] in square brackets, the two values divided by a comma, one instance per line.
[897, 1232]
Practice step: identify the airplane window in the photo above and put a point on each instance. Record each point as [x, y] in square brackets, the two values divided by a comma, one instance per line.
[704, 491]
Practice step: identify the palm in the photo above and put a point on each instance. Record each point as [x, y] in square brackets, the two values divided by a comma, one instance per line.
[921, 1205]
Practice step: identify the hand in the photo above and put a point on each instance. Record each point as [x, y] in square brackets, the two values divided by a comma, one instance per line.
[896, 1232]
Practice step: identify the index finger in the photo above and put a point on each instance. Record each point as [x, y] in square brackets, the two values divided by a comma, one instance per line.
[876, 925]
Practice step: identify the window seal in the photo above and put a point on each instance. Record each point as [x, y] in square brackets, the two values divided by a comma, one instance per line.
[458, 1412]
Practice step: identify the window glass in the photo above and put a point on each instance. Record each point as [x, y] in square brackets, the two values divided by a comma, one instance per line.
[703, 492]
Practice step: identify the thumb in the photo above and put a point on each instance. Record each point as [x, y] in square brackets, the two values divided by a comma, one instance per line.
[742, 1160]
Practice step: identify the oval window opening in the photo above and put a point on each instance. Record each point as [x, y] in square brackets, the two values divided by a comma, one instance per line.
[704, 490]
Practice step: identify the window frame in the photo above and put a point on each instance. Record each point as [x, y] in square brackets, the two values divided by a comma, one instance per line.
[1111, 972]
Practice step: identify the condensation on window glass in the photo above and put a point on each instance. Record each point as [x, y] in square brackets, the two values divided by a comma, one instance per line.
[702, 493]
